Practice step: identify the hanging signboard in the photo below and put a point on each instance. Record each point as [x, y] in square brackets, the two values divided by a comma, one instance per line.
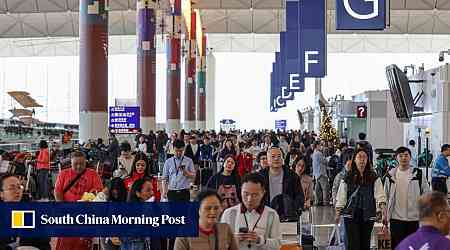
[124, 120]
[360, 14]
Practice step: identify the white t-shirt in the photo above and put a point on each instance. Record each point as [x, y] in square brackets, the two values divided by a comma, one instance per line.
[401, 194]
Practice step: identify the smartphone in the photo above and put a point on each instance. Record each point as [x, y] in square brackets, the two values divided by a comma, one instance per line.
[243, 230]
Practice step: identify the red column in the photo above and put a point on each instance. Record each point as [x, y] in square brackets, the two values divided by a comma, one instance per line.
[93, 30]
[190, 76]
[173, 46]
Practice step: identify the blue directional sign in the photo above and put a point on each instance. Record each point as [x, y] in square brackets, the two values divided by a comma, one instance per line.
[287, 93]
[124, 120]
[278, 100]
[227, 121]
[313, 38]
[280, 124]
[303, 50]
[360, 14]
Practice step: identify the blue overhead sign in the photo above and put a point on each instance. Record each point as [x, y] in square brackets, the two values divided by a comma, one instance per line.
[228, 121]
[280, 125]
[303, 51]
[313, 38]
[124, 120]
[360, 14]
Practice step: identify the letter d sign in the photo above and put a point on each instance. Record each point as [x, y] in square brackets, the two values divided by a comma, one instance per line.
[360, 14]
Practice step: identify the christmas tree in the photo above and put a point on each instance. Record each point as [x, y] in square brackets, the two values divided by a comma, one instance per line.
[327, 131]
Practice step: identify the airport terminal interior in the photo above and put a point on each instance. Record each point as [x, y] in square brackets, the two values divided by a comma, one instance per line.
[286, 124]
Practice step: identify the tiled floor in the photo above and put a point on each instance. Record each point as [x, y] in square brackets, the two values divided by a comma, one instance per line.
[322, 227]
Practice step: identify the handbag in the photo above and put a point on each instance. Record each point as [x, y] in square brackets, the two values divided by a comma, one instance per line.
[384, 239]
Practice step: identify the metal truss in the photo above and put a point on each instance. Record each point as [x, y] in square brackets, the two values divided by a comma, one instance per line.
[258, 43]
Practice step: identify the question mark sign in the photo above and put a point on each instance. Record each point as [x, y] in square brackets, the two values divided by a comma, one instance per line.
[361, 111]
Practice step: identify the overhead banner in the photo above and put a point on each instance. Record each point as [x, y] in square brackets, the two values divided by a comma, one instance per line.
[313, 38]
[286, 92]
[279, 101]
[292, 71]
[124, 120]
[291, 80]
[360, 14]
[99, 219]
[227, 124]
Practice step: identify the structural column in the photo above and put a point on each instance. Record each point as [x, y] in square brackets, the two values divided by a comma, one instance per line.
[93, 30]
[146, 63]
[201, 83]
[190, 86]
[210, 91]
[173, 46]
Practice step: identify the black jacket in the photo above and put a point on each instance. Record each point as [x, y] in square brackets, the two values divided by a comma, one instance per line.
[190, 153]
[291, 187]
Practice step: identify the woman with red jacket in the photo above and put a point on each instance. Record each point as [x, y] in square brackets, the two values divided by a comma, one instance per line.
[43, 167]
[139, 170]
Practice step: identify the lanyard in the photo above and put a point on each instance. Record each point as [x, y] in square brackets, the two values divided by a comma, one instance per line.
[246, 223]
[175, 164]
[257, 221]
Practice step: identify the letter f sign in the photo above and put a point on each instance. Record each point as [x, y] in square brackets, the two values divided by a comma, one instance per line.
[356, 15]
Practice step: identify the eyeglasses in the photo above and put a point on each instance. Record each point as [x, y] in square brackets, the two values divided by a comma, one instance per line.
[14, 188]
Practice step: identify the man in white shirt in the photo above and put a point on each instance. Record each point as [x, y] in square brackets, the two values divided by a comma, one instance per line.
[255, 225]
[404, 185]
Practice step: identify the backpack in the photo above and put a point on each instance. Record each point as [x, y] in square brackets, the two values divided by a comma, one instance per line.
[285, 207]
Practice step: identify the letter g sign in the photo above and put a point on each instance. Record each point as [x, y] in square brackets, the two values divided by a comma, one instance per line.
[360, 14]
[356, 15]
